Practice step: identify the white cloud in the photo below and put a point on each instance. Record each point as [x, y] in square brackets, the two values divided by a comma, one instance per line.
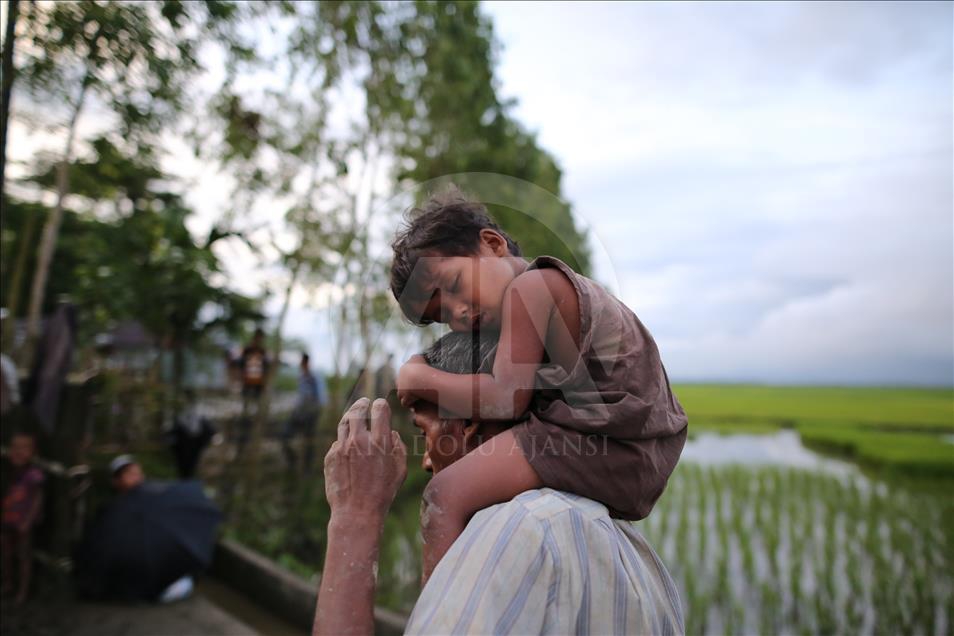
[772, 182]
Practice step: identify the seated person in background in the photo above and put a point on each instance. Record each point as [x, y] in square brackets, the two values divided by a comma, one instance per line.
[544, 562]
[147, 542]
[22, 505]
[127, 474]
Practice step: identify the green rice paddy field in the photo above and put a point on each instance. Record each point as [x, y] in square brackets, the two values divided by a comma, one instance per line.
[862, 543]
[906, 433]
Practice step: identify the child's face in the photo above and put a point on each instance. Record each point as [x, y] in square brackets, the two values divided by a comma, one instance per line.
[467, 292]
[21, 450]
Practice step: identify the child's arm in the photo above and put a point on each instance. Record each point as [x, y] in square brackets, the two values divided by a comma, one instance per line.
[494, 472]
[528, 305]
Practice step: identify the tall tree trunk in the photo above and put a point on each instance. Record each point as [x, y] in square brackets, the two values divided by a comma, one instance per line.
[52, 227]
[13, 12]
[16, 279]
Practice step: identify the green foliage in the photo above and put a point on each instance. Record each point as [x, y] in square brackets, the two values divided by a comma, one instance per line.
[700, 424]
[142, 263]
[108, 175]
[426, 74]
[135, 57]
[462, 126]
[878, 406]
[131, 61]
[901, 454]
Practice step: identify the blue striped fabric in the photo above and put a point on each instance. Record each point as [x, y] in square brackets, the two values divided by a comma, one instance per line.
[548, 562]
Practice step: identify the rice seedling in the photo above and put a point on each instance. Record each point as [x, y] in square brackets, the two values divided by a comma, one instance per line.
[790, 551]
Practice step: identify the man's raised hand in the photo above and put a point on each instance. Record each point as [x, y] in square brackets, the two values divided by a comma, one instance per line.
[366, 464]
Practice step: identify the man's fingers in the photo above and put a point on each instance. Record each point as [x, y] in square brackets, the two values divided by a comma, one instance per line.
[357, 417]
[381, 423]
[343, 425]
[333, 451]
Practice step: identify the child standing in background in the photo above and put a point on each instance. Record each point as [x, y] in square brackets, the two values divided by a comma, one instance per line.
[575, 370]
[22, 504]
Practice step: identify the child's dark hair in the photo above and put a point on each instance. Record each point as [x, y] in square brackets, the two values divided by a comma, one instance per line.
[448, 224]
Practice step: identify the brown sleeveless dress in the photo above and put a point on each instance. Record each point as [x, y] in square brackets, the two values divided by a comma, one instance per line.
[611, 429]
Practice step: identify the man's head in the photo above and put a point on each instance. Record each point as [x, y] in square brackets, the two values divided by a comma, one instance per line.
[451, 264]
[305, 360]
[127, 473]
[448, 439]
[258, 337]
[22, 449]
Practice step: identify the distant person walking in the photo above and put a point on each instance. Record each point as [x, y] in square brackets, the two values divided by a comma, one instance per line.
[254, 365]
[312, 396]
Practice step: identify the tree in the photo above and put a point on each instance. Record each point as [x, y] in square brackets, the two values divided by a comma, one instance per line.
[424, 76]
[140, 262]
[132, 60]
[364, 94]
[462, 127]
[9, 39]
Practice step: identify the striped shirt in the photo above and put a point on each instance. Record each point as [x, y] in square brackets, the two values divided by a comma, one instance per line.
[548, 562]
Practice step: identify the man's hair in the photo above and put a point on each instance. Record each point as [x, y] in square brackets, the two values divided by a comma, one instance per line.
[305, 357]
[464, 353]
[448, 224]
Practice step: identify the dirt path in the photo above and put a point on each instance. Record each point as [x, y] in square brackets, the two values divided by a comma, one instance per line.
[197, 615]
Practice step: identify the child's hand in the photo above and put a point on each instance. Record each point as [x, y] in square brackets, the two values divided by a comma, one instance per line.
[406, 398]
[407, 380]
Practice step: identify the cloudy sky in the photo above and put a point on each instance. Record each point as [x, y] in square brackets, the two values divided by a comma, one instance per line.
[771, 183]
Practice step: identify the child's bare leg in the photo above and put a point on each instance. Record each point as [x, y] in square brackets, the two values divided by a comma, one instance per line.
[7, 548]
[25, 558]
[494, 472]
